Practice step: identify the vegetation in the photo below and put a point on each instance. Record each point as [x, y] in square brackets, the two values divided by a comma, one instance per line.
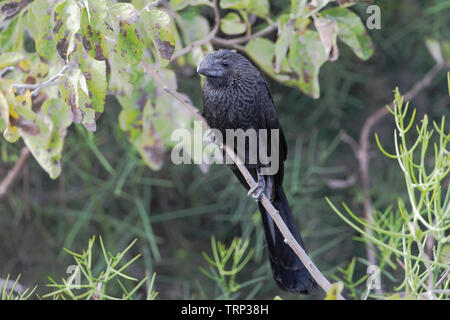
[87, 122]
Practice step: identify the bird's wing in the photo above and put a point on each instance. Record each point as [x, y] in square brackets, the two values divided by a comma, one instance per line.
[269, 116]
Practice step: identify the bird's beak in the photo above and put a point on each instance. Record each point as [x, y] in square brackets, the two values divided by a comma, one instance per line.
[209, 68]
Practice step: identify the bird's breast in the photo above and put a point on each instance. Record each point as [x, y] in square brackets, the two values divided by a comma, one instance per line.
[229, 108]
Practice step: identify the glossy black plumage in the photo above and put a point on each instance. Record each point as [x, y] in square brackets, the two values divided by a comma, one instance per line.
[235, 96]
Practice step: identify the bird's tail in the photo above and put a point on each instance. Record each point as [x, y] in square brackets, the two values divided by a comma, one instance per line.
[289, 272]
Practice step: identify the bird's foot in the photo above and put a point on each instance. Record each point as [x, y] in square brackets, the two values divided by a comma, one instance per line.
[258, 189]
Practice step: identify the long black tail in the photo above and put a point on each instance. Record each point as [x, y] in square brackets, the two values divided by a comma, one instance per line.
[289, 272]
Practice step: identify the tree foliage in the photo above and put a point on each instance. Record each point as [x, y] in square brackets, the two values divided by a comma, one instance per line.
[60, 58]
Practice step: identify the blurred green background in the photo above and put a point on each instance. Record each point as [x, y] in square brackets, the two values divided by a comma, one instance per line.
[106, 189]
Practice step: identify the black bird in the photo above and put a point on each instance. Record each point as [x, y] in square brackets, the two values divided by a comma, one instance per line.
[235, 96]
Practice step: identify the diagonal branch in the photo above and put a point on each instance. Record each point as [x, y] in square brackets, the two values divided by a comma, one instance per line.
[12, 174]
[38, 86]
[288, 237]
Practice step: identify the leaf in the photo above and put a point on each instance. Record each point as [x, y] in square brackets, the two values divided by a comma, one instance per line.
[69, 92]
[123, 64]
[351, 31]
[98, 10]
[47, 145]
[306, 56]
[178, 5]
[67, 23]
[328, 30]
[232, 24]
[10, 58]
[84, 88]
[298, 7]
[233, 4]
[95, 74]
[136, 120]
[282, 44]
[157, 26]
[262, 51]
[129, 46]
[11, 37]
[195, 27]
[93, 39]
[149, 116]
[260, 8]
[335, 290]
[43, 131]
[315, 5]
[11, 132]
[41, 19]
[9, 8]
[434, 48]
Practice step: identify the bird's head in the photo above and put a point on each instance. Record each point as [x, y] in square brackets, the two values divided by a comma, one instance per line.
[224, 65]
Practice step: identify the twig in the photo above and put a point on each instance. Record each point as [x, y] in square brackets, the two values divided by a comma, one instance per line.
[288, 237]
[235, 41]
[5, 70]
[38, 86]
[206, 39]
[442, 278]
[6, 182]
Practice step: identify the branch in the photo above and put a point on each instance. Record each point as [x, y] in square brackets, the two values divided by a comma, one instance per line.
[5, 70]
[235, 41]
[288, 237]
[6, 182]
[38, 86]
[205, 40]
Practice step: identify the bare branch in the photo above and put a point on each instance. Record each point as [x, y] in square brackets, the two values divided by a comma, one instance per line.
[240, 40]
[48, 83]
[442, 278]
[12, 174]
[5, 70]
[289, 238]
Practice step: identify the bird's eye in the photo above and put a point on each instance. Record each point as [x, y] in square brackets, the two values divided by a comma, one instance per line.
[225, 64]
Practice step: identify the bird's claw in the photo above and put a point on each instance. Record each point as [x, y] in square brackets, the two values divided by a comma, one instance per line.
[257, 190]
